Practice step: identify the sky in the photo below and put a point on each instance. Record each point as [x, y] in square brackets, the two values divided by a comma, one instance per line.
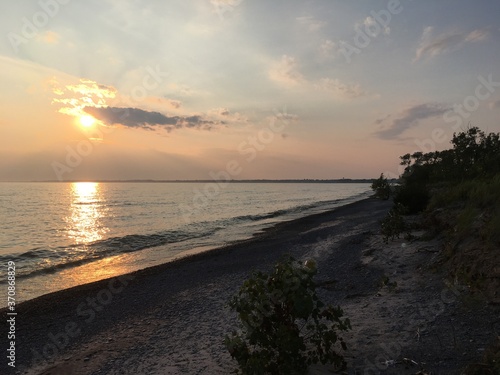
[243, 89]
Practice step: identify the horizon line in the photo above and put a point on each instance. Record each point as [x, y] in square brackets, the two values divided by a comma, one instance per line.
[331, 180]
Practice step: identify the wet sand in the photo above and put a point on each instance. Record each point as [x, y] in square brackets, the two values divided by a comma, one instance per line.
[172, 318]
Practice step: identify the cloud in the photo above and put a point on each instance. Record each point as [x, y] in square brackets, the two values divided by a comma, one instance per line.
[138, 118]
[91, 88]
[74, 97]
[310, 23]
[339, 89]
[49, 37]
[224, 115]
[328, 47]
[156, 101]
[409, 118]
[381, 120]
[494, 104]
[286, 71]
[220, 112]
[431, 46]
[370, 22]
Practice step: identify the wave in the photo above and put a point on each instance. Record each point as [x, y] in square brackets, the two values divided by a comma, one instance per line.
[49, 260]
[282, 212]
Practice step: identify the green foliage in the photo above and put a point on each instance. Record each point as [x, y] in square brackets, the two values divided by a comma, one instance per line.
[474, 155]
[393, 225]
[285, 327]
[477, 199]
[381, 187]
[481, 193]
[386, 282]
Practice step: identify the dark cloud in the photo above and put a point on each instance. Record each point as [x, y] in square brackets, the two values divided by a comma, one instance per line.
[409, 118]
[138, 118]
[381, 120]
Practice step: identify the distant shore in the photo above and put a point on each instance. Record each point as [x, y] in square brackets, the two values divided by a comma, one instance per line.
[286, 181]
[171, 319]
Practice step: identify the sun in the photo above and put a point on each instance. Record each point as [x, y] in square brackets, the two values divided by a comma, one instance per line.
[87, 120]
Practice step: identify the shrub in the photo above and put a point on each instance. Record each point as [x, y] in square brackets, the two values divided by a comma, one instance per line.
[285, 327]
[381, 187]
[393, 224]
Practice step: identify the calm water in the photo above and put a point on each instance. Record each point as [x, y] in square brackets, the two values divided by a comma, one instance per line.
[66, 234]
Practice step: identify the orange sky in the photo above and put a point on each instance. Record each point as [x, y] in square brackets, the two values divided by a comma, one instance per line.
[178, 92]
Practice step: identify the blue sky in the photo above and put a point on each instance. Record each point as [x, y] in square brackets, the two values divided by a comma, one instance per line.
[312, 89]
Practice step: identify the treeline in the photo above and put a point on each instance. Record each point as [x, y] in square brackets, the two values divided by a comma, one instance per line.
[464, 181]
[475, 156]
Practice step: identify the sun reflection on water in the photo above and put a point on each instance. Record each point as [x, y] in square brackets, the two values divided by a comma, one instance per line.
[86, 212]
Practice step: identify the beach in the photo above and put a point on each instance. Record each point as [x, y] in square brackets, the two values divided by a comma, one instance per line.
[172, 318]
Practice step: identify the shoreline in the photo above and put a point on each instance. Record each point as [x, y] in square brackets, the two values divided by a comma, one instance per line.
[171, 318]
[132, 262]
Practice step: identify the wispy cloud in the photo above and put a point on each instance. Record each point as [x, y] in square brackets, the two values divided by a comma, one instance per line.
[286, 71]
[312, 24]
[49, 37]
[432, 46]
[372, 27]
[339, 89]
[224, 115]
[409, 118]
[328, 48]
[139, 118]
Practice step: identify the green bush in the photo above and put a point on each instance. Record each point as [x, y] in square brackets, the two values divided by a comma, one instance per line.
[381, 187]
[393, 225]
[284, 326]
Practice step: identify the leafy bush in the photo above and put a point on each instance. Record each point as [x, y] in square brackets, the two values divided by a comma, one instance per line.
[285, 327]
[381, 187]
[393, 224]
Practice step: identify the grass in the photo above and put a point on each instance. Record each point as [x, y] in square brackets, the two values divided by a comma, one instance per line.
[477, 202]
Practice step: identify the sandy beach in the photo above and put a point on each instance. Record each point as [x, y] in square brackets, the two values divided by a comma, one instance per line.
[171, 319]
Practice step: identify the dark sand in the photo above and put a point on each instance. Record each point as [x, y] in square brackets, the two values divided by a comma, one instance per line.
[171, 319]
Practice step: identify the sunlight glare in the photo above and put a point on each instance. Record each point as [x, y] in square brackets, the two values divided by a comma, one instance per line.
[87, 120]
[84, 223]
